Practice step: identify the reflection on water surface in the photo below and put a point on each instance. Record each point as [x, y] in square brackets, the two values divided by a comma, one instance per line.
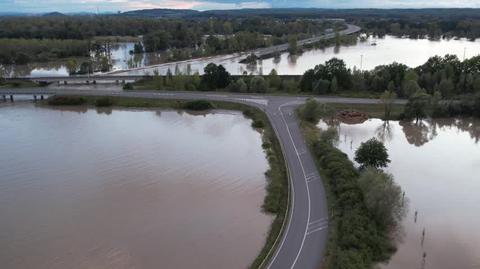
[437, 163]
[129, 189]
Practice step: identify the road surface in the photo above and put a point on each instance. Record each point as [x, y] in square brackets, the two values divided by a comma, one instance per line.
[305, 233]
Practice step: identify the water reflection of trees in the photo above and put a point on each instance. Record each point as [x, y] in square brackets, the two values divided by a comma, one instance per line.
[415, 132]
[384, 132]
[419, 133]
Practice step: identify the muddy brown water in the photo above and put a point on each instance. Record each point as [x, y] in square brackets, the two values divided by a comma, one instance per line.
[437, 163]
[129, 189]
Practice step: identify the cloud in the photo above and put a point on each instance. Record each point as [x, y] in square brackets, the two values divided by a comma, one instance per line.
[123, 5]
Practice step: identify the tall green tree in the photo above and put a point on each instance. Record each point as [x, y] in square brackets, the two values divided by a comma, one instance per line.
[388, 98]
[372, 153]
[418, 105]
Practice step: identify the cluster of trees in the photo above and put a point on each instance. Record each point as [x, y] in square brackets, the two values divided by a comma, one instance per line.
[367, 204]
[215, 77]
[423, 28]
[447, 75]
[421, 105]
[22, 51]
[187, 37]
[361, 227]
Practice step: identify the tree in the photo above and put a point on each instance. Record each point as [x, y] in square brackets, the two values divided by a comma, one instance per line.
[311, 110]
[138, 48]
[274, 80]
[321, 86]
[372, 153]
[258, 84]
[238, 85]
[155, 41]
[292, 44]
[410, 87]
[388, 98]
[418, 105]
[223, 77]
[72, 66]
[446, 87]
[335, 68]
[307, 81]
[334, 85]
[383, 197]
[215, 77]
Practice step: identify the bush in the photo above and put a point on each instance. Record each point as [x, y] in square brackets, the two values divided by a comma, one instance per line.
[258, 85]
[128, 87]
[66, 101]
[198, 105]
[310, 111]
[258, 123]
[103, 102]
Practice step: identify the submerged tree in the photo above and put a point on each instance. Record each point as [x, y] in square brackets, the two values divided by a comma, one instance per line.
[372, 153]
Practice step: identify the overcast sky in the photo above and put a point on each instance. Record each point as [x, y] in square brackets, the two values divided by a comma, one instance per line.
[123, 5]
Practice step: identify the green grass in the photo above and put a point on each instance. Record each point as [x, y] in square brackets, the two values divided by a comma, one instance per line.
[18, 84]
[277, 188]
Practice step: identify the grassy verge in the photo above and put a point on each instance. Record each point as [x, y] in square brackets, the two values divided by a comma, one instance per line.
[276, 199]
[18, 84]
[355, 239]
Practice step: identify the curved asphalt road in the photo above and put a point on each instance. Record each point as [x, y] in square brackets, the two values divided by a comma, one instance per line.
[305, 235]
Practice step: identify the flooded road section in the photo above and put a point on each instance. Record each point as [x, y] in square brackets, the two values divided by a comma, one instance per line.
[129, 189]
[437, 163]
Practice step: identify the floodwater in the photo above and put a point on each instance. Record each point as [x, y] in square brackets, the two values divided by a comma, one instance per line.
[81, 188]
[389, 49]
[411, 52]
[437, 164]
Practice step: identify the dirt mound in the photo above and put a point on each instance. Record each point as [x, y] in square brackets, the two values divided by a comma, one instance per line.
[352, 116]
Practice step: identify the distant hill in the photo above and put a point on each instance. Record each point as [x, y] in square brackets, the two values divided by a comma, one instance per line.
[160, 13]
[443, 13]
[54, 14]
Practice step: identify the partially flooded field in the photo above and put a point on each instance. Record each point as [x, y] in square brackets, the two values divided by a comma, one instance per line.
[437, 164]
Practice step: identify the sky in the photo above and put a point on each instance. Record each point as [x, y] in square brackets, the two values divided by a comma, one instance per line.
[68, 6]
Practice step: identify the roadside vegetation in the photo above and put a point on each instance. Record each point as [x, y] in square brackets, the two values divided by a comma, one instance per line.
[445, 77]
[361, 230]
[277, 188]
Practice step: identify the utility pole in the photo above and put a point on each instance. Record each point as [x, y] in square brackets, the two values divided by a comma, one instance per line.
[361, 62]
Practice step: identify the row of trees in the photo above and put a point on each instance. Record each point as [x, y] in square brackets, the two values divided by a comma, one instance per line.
[368, 205]
[22, 51]
[216, 77]
[181, 30]
[422, 28]
[447, 75]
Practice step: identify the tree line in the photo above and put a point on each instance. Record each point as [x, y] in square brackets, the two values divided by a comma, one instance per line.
[185, 38]
[446, 75]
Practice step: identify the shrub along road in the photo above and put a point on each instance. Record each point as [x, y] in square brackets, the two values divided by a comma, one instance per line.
[304, 239]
